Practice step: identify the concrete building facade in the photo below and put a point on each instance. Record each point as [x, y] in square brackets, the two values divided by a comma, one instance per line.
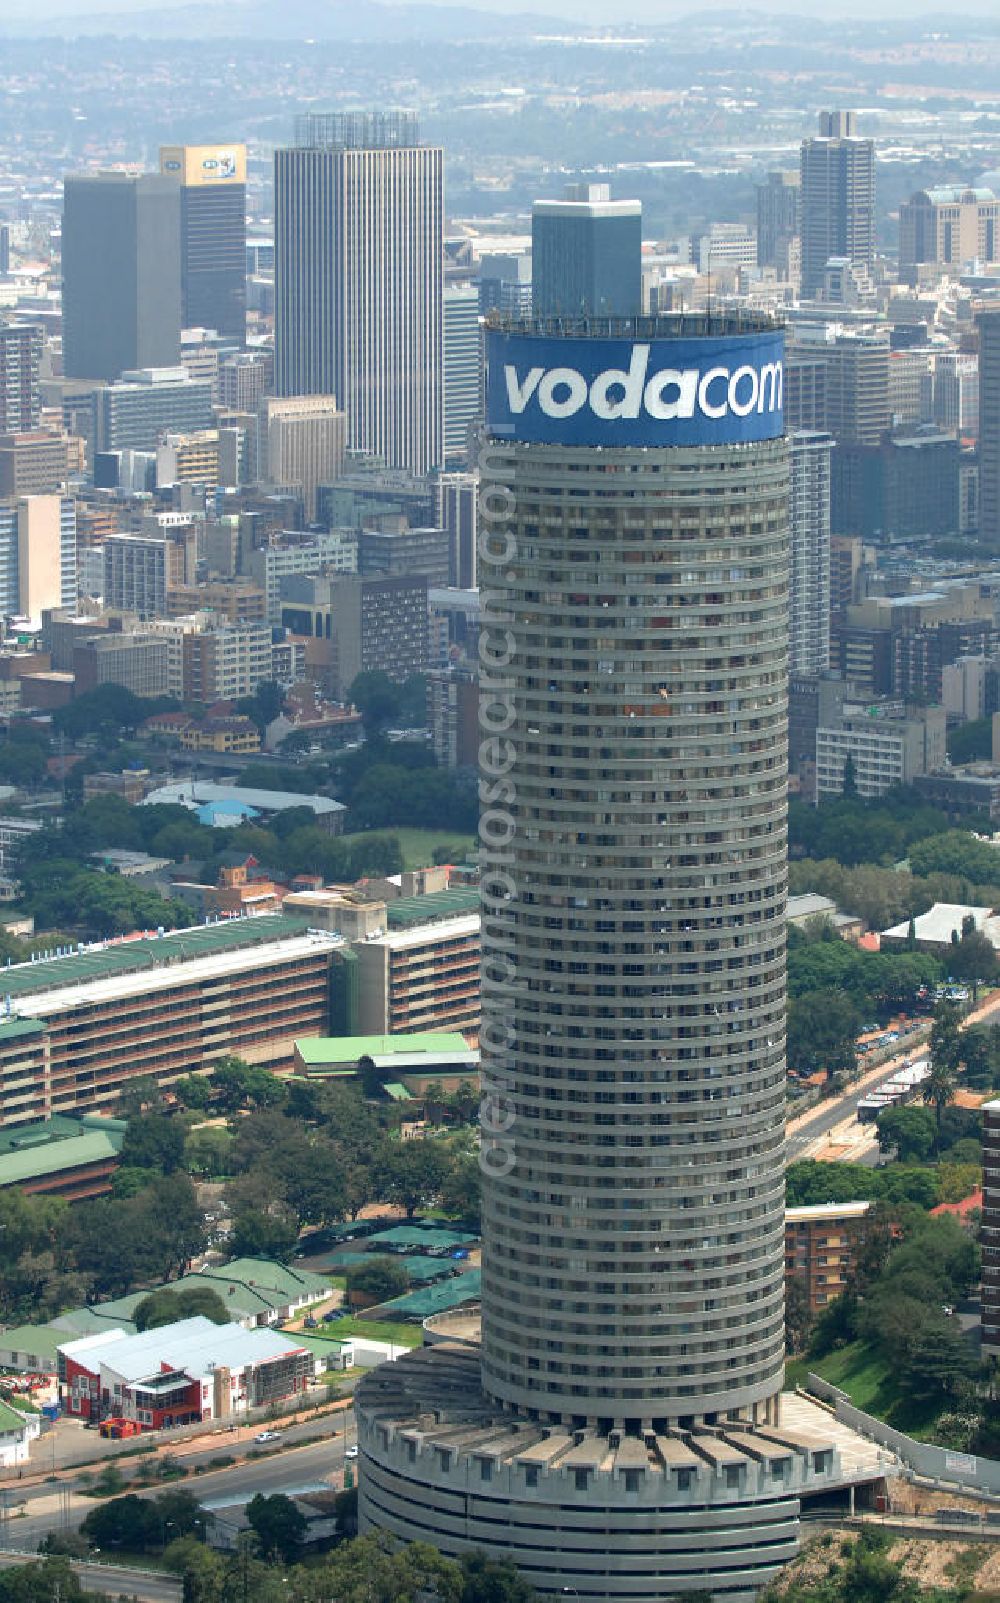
[164, 1007]
[20, 359]
[301, 444]
[949, 227]
[611, 1435]
[213, 234]
[809, 523]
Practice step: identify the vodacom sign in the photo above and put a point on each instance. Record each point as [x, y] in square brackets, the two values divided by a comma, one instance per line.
[580, 390]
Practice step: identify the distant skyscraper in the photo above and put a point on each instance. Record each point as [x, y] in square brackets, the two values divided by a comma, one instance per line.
[358, 280]
[20, 355]
[462, 369]
[586, 253]
[213, 200]
[809, 529]
[949, 227]
[989, 426]
[4, 249]
[121, 274]
[777, 218]
[837, 198]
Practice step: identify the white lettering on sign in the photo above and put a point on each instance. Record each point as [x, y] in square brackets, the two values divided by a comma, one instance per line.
[669, 393]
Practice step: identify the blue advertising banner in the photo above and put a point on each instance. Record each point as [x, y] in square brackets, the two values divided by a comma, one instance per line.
[574, 390]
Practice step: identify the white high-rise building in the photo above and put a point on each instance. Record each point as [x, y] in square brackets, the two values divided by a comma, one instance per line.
[956, 391]
[358, 280]
[809, 524]
[463, 369]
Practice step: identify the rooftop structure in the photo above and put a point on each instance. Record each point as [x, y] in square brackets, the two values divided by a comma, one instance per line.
[199, 793]
[335, 1056]
[933, 930]
[71, 1158]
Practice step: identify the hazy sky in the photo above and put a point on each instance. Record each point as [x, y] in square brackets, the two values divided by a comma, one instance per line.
[592, 11]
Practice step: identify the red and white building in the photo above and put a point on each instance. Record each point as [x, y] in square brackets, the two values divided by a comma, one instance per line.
[180, 1374]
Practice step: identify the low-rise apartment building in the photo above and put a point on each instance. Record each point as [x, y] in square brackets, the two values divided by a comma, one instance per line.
[83, 1025]
[821, 1243]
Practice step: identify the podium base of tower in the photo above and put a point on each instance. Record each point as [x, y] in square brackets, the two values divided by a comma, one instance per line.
[606, 1518]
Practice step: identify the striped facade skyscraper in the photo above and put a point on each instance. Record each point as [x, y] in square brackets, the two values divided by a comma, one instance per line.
[358, 280]
[616, 1430]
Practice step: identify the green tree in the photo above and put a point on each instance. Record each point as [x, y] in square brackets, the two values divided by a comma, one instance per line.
[461, 1189]
[237, 1084]
[317, 1190]
[823, 1028]
[938, 1090]
[487, 1580]
[202, 1571]
[373, 1569]
[973, 961]
[209, 1152]
[412, 1173]
[909, 1131]
[193, 1091]
[279, 1525]
[154, 1141]
[51, 1580]
[129, 1181]
[260, 1234]
[380, 1277]
[127, 1522]
[167, 1306]
[936, 1362]
[377, 699]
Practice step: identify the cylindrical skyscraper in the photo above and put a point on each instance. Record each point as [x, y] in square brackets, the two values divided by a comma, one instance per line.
[634, 573]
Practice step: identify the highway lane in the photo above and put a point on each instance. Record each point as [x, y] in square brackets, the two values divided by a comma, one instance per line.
[114, 1579]
[300, 1469]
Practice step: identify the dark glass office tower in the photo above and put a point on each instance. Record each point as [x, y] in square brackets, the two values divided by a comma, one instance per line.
[836, 198]
[586, 255]
[121, 274]
[213, 199]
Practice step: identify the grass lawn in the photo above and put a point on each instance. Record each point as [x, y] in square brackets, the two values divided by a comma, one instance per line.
[398, 1331]
[417, 845]
[870, 1382]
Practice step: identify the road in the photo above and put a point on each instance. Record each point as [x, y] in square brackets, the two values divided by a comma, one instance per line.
[833, 1112]
[116, 1580]
[70, 1443]
[301, 1469]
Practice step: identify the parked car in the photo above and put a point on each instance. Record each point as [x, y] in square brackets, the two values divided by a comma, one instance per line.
[309, 1323]
[351, 1452]
[332, 1314]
